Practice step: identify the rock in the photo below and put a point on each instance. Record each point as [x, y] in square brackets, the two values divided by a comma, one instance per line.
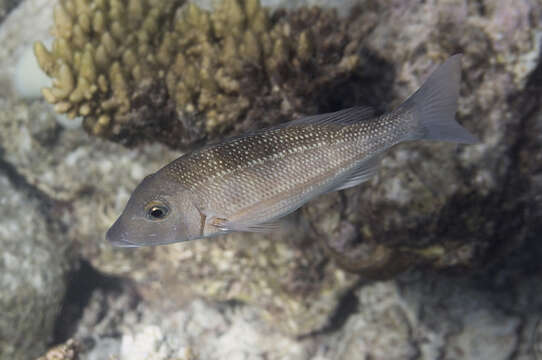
[495, 314]
[437, 206]
[194, 331]
[67, 351]
[6, 6]
[430, 317]
[201, 331]
[34, 264]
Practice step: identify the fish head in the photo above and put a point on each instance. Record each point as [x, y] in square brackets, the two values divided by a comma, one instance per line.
[160, 211]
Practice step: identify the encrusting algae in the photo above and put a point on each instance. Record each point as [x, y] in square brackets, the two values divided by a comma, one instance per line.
[155, 70]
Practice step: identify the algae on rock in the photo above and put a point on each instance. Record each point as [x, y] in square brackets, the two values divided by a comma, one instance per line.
[155, 70]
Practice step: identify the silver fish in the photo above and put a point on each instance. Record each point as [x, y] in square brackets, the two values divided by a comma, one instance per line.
[247, 182]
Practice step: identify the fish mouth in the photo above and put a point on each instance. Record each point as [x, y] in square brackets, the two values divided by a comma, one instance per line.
[118, 238]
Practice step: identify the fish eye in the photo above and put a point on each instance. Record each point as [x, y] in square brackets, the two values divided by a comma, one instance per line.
[157, 211]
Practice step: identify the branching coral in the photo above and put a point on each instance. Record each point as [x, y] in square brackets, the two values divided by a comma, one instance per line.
[153, 69]
[102, 54]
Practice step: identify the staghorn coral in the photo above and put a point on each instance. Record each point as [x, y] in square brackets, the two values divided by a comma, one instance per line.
[155, 70]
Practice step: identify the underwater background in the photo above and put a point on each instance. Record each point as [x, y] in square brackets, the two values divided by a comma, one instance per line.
[439, 256]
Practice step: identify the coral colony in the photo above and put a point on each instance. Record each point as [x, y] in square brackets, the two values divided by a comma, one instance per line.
[177, 74]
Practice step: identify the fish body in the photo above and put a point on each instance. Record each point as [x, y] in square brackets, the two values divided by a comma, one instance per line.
[247, 182]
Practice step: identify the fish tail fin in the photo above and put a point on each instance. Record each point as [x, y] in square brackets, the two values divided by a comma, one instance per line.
[435, 105]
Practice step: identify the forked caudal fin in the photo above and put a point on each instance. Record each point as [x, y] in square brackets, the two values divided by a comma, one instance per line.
[435, 104]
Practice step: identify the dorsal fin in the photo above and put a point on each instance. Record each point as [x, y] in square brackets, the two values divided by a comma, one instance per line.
[343, 117]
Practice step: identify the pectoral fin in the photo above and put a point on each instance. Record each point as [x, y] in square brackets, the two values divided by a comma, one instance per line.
[227, 226]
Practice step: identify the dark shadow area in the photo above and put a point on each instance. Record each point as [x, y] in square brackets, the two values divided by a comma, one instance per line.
[6, 7]
[32, 192]
[522, 264]
[346, 307]
[81, 285]
[371, 86]
[523, 183]
[19, 181]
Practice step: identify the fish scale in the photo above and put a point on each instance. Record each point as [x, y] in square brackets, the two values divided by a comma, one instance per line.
[233, 178]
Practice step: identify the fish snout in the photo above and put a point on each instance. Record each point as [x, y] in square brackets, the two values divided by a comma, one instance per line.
[117, 237]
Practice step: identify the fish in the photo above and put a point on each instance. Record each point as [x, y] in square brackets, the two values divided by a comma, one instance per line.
[247, 183]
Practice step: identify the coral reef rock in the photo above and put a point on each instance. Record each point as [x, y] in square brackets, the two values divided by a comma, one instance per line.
[67, 351]
[198, 330]
[34, 264]
[6, 6]
[159, 71]
[422, 316]
[436, 204]
[418, 315]
[453, 209]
